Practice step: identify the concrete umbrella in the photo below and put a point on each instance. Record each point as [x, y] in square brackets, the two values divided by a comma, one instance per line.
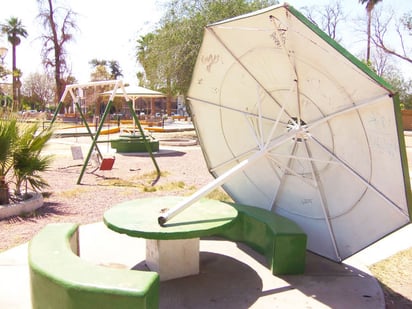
[290, 121]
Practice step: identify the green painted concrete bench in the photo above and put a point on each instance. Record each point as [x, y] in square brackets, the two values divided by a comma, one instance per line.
[281, 240]
[59, 278]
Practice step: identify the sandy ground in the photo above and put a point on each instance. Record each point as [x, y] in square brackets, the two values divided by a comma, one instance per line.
[183, 170]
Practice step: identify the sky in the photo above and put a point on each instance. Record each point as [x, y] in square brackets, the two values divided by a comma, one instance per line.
[105, 32]
[110, 31]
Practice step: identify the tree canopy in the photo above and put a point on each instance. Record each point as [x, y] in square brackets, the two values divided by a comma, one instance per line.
[15, 30]
[59, 24]
[169, 53]
[105, 70]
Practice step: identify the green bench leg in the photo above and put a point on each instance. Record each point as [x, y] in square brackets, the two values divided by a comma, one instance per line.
[281, 241]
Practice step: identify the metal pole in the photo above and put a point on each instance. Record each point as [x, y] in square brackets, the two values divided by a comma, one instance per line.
[148, 148]
[209, 187]
[107, 110]
[87, 126]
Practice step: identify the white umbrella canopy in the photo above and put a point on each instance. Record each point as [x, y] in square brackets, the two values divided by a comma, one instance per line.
[135, 92]
[313, 130]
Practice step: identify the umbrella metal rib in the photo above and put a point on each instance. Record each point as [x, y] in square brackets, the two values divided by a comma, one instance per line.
[269, 146]
[245, 68]
[362, 179]
[323, 202]
[287, 169]
[222, 179]
[243, 164]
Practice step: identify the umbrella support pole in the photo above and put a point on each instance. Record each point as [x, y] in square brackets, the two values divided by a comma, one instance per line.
[221, 180]
[209, 187]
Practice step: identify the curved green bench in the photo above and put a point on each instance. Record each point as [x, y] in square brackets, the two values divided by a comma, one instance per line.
[59, 278]
[281, 240]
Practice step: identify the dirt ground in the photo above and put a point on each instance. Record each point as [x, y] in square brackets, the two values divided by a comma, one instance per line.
[183, 171]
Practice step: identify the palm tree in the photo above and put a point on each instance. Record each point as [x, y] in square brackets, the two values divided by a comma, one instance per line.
[14, 29]
[20, 157]
[27, 158]
[8, 137]
[370, 5]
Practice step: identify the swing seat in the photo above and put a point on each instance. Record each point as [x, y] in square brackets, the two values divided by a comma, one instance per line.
[107, 164]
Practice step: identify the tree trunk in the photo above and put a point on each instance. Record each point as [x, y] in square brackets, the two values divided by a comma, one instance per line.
[368, 48]
[4, 192]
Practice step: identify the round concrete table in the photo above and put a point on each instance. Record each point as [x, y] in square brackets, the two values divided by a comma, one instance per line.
[172, 250]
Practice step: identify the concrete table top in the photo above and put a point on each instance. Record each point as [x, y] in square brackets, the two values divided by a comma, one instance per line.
[139, 218]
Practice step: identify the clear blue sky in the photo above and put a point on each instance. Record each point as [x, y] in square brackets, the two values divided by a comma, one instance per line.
[109, 31]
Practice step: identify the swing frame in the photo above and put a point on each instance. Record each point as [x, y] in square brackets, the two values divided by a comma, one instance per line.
[69, 89]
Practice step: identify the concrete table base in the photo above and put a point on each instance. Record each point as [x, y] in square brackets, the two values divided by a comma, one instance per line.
[172, 250]
[174, 258]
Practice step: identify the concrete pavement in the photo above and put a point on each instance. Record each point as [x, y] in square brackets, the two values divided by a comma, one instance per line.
[231, 275]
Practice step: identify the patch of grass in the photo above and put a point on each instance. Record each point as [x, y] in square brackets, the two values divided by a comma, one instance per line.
[149, 189]
[137, 181]
[171, 186]
[397, 266]
[117, 182]
[149, 176]
[220, 195]
[190, 190]
[73, 193]
[174, 185]
[394, 275]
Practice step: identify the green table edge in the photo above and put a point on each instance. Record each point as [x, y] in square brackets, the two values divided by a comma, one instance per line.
[166, 235]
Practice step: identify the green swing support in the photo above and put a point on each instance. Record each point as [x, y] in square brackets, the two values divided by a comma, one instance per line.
[117, 84]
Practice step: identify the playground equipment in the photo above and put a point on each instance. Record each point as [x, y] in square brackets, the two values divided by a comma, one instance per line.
[292, 123]
[76, 92]
[132, 142]
[129, 143]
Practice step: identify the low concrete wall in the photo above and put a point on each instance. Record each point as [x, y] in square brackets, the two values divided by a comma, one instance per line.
[24, 207]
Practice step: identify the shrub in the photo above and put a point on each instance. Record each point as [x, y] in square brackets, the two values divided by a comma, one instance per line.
[20, 158]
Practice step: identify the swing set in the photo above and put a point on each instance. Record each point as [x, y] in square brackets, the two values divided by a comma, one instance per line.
[76, 92]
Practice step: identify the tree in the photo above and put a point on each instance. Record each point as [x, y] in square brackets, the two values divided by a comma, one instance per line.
[169, 53]
[3, 71]
[370, 5]
[20, 157]
[105, 70]
[115, 70]
[326, 17]
[144, 44]
[401, 85]
[381, 28]
[385, 29]
[27, 159]
[100, 71]
[8, 136]
[38, 89]
[14, 30]
[59, 24]
[407, 22]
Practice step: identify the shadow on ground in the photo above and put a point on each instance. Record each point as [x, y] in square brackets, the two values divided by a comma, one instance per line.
[223, 282]
[394, 300]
